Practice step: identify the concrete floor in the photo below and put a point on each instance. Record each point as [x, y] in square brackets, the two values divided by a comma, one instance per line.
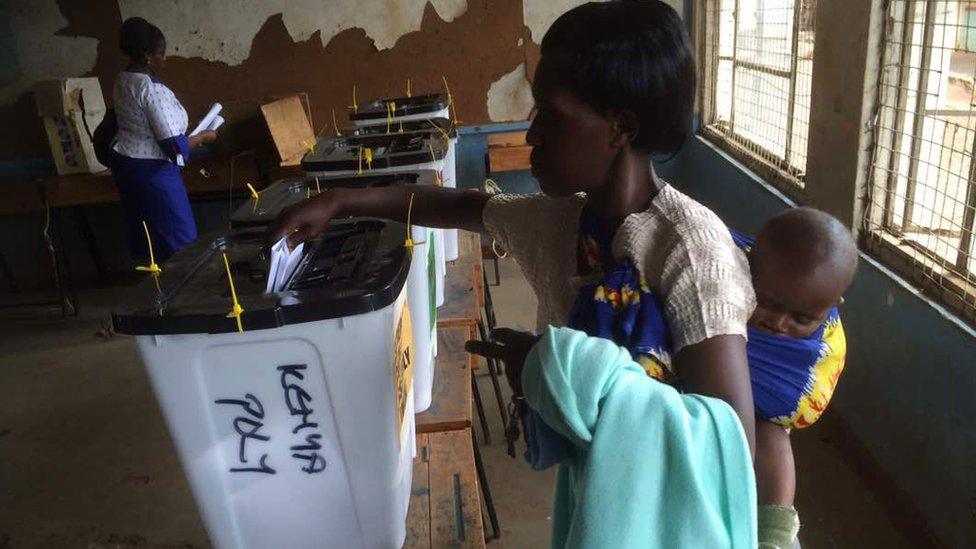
[85, 459]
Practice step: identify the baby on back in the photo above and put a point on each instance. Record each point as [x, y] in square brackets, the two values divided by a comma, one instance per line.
[802, 261]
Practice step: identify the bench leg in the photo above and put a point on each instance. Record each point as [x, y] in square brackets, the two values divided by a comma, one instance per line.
[62, 267]
[489, 304]
[485, 491]
[88, 235]
[480, 408]
[493, 371]
[8, 274]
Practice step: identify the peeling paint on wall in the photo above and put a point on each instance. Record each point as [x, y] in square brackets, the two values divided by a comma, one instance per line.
[241, 50]
[39, 51]
[471, 45]
[510, 97]
[539, 14]
[222, 30]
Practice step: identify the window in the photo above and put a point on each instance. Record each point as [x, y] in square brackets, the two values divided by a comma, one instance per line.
[922, 197]
[756, 78]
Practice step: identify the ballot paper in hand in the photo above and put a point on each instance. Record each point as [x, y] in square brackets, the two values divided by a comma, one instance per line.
[284, 261]
[209, 120]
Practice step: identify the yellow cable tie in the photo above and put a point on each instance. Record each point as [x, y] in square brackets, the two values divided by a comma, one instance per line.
[368, 152]
[450, 102]
[152, 267]
[401, 127]
[390, 115]
[155, 278]
[448, 88]
[254, 192]
[359, 168]
[255, 195]
[336, 126]
[440, 129]
[438, 178]
[308, 193]
[409, 243]
[309, 144]
[408, 88]
[354, 106]
[236, 310]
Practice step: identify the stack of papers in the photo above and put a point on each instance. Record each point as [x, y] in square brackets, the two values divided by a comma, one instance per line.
[283, 264]
[211, 121]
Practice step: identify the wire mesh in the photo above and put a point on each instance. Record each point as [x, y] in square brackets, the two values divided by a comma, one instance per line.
[757, 79]
[922, 196]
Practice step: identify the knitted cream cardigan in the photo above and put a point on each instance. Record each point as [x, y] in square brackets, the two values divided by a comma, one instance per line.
[680, 247]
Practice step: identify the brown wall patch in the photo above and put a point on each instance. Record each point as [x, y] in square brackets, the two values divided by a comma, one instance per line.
[472, 51]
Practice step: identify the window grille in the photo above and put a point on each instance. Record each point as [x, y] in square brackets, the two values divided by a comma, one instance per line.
[756, 82]
[922, 198]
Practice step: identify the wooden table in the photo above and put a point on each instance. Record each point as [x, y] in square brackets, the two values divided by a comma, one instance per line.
[56, 194]
[465, 297]
[450, 407]
[445, 508]
[464, 292]
[206, 176]
[508, 152]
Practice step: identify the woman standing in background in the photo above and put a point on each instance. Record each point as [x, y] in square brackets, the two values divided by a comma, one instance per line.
[151, 147]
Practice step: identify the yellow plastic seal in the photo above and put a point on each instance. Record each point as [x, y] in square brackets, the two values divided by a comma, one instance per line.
[236, 310]
[152, 267]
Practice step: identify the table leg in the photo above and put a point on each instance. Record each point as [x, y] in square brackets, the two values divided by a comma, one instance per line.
[88, 235]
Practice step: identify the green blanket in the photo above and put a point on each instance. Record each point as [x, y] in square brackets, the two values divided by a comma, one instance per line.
[649, 467]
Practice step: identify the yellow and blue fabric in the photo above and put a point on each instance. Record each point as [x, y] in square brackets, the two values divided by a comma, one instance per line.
[619, 306]
[793, 379]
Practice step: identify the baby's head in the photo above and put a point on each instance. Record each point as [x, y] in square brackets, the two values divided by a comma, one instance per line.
[802, 262]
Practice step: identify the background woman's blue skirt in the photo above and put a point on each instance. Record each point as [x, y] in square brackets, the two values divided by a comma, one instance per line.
[153, 191]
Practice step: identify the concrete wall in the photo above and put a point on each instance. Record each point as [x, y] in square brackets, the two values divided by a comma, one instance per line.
[907, 390]
[218, 51]
[226, 50]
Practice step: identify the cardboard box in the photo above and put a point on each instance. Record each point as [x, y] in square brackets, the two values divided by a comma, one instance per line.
[71, 109]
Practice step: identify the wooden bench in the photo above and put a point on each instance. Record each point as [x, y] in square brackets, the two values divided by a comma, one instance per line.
[464, 295]
[445, 508]
[508, 152]
[450, 408]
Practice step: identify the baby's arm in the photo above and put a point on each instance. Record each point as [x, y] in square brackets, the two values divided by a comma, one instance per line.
[775, 471]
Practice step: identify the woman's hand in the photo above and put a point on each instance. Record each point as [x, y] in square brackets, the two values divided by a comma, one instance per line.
[306, 219]
[432, 207]
[509, 346]
[205, 137]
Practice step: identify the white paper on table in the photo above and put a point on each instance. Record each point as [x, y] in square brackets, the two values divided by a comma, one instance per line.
[283, 265]
[208, 119]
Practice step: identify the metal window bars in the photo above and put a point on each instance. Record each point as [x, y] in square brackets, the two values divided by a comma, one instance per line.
[757, 65]
[921, 205]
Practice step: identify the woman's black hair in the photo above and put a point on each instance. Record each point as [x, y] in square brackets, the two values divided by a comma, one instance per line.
[629, 55]
[139, 37]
